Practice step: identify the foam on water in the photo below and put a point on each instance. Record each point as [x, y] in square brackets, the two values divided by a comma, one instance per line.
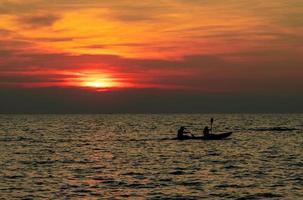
[131, 156]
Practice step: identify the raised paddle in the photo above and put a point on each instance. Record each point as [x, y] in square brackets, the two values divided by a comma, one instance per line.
[211, 124]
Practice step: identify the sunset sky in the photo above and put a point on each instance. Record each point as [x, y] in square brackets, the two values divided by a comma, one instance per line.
[186, 47]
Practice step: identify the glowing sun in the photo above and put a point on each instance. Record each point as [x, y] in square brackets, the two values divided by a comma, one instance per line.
[99, 81]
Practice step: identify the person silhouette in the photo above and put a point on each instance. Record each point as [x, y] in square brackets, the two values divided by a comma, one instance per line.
[206, 131]
[181, 133]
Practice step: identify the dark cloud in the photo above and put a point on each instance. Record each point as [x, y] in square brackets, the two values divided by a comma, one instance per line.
[293, 19]
[16, 8]
[135, 16]
[137, 45]
[5, 32]
[96, 46]
[14, 44]
[54, 39]
[38, 20]
[21, 78]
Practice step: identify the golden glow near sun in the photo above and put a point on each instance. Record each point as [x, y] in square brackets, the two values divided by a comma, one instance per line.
[95, 79]
[98, 81]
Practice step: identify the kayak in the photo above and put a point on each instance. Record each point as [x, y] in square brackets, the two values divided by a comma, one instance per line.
[218, 136]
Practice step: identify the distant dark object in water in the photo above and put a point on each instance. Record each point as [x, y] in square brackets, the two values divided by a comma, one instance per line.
[219, 136]
[279, 129]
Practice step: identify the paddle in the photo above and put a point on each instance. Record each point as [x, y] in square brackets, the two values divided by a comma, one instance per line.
[191, 134]
[211, 124]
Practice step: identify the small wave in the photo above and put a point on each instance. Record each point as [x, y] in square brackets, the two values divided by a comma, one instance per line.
[178, 172]
[174, 197]
[141, 186]
[225, 185]
[82, 191]
[17, 139]
[260, 196]
[132, 174]
[135, 175]
[165, 180]
[211, 153]
[277, 185]
[278, 129]
[113, 183]
[190, 183]
[141, 140]
[223, 195]
[220, 161]
[14, 176]
[230, 166]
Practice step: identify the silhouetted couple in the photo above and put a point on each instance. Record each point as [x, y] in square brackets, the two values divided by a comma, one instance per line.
[182, 133]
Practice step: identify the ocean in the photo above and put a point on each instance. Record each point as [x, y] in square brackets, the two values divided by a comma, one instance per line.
[133, 156]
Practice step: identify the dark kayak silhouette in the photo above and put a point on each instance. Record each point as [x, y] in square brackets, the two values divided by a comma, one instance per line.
[218, 136]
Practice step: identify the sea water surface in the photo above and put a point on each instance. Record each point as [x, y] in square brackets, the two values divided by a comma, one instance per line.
[133, 157]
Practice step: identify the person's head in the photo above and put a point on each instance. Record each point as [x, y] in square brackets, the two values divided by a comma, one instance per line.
[206, 127]
[182, 127]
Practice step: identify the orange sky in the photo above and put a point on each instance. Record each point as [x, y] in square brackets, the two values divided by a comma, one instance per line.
[210, 45]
